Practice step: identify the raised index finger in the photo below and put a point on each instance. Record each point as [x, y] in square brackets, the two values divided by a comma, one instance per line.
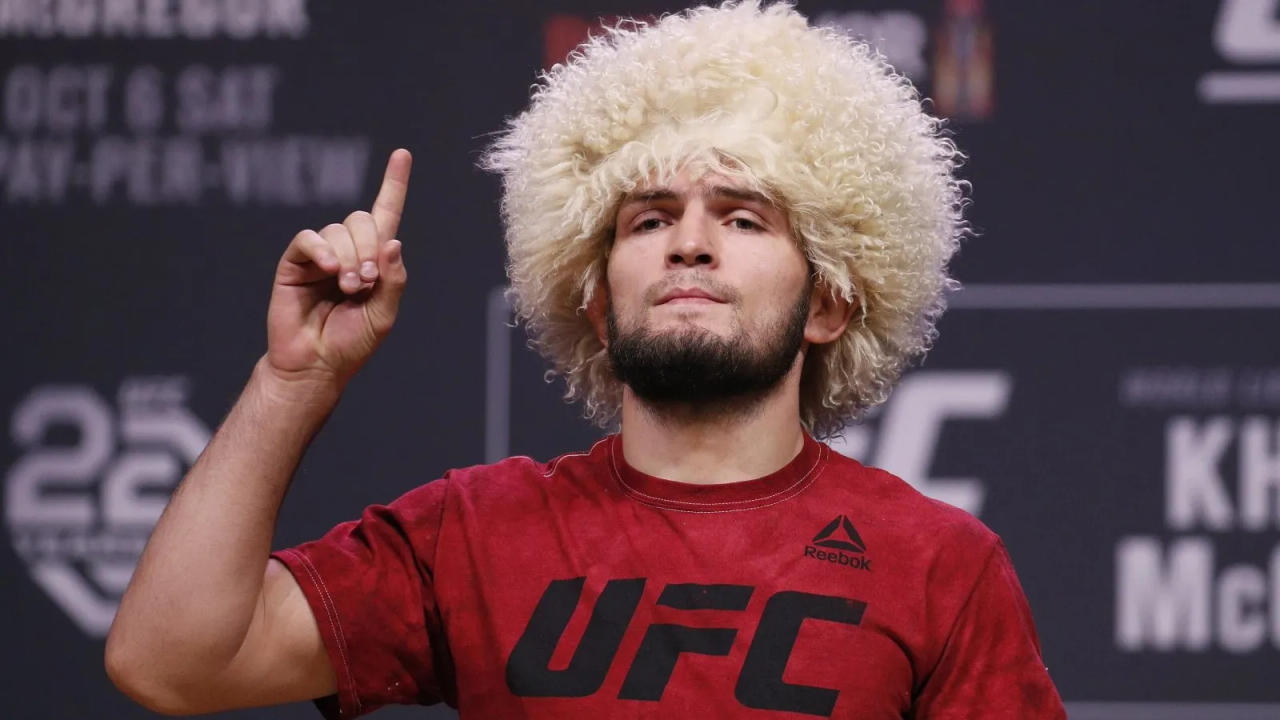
[389, 204]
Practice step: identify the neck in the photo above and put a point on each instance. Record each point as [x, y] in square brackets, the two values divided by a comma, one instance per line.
[724, 443]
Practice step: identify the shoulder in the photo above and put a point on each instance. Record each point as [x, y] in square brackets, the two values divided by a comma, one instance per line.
[519, 482]
[521, 473]
[896, 504]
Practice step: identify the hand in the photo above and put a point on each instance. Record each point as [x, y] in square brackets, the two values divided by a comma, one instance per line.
[336, 291]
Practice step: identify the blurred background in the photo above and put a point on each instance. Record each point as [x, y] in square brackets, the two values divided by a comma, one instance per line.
[1105, 393]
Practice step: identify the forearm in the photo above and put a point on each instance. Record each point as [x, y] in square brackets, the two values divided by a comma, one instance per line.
[207, 621]
[193, 595]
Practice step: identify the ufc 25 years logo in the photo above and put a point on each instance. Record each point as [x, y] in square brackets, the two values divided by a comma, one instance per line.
[91, 482]
[759, 685]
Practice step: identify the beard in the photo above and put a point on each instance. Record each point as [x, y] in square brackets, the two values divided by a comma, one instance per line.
[693, 366]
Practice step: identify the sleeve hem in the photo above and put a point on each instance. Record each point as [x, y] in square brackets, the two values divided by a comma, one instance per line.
[323, 607]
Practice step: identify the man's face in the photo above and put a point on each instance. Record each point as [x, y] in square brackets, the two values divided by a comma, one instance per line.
[708, 292]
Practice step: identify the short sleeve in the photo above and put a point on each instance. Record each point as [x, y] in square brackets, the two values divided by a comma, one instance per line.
[370, 585]
[991, 665]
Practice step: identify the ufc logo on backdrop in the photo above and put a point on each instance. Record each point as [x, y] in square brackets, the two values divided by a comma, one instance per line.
[759, 685]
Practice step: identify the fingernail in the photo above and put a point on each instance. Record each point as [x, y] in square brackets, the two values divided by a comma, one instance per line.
[368, 270]
[395, 251]
[350, 280]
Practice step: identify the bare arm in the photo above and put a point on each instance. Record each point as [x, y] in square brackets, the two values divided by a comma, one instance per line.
[208, 622]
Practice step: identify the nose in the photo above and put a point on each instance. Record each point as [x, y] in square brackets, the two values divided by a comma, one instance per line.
[692, 242]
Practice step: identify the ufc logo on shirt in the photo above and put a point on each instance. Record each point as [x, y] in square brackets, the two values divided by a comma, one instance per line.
[759, 685]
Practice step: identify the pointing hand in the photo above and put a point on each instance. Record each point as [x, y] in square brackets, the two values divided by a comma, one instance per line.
[336, 291]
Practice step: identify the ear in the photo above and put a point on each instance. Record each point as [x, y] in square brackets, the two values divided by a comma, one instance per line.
[829, 314]
[597, 310]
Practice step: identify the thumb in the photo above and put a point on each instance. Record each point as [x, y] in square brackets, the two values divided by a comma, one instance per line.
[384, 300]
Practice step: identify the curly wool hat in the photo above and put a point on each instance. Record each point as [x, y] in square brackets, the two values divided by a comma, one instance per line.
[818, 122]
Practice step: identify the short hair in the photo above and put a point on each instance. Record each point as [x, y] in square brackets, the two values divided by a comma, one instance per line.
[817, 121]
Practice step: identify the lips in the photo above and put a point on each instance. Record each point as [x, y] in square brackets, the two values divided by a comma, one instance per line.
[688, 294]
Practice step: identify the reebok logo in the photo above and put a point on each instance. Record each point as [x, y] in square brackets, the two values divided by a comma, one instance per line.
[838, 535]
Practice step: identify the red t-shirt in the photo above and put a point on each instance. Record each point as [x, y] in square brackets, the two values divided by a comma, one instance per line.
[583, 588]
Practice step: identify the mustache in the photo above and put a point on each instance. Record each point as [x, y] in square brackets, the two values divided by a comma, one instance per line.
[694, 279]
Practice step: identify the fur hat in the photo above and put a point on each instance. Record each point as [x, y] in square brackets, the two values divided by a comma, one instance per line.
[818, 122]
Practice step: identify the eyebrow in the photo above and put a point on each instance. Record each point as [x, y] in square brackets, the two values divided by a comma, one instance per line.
[715, 191]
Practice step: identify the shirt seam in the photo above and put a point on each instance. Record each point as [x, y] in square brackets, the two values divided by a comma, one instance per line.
[555, 464]
[951, 628]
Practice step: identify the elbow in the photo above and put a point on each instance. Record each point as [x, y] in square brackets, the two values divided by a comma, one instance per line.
[135, 674]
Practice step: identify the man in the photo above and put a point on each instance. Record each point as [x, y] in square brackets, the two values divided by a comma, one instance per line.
[728, 230]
